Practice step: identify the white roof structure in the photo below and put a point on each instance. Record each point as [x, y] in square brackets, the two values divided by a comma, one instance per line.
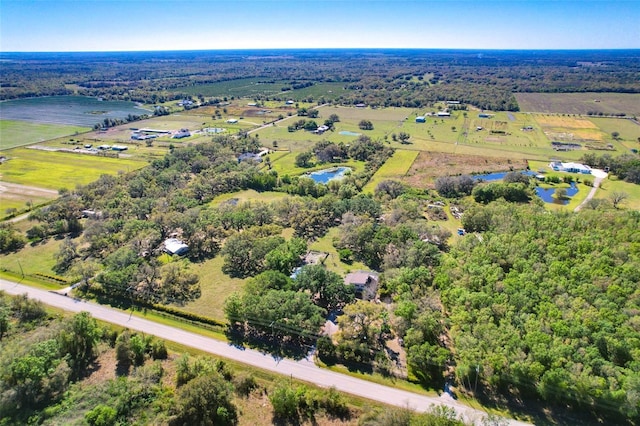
[175, 246]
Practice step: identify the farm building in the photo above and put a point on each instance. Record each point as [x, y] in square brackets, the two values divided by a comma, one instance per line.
[249, 156]
[232, 120]
[570, 167]
[175, 246]
[183, 133]
[484, 115]
[444, 114]
[119, 148]
[421, 119]
[365, 283]
[321, 129]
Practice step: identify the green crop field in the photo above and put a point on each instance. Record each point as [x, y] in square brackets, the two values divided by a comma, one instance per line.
[244, 87]
[580, 103]
[395, 167]
[15, 133]
[328, 91]
[55, 170]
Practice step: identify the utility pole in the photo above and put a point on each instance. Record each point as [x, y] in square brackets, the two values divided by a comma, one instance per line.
[477, 374]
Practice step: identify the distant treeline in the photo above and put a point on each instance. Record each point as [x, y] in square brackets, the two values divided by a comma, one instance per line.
[411, 78]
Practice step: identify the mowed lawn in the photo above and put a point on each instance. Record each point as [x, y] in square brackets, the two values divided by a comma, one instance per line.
[395, 167]
[14, 133]
[56, 170]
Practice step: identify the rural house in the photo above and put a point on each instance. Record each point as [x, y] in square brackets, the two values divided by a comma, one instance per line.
[365, 283]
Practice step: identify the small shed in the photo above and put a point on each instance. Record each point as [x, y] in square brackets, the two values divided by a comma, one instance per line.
[421, 119]
[175, 246]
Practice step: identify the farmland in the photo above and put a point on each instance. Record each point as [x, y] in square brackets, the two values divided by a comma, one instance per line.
[14, 133]
[55, 170]
[580, 103]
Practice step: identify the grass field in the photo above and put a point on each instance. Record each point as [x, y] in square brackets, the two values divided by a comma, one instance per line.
[55, 170]
[580, 103]
[32, 259]
[15, 133]
[609, 186]
[250, 195]
[216, 287]
[243, 87]
[395, 167]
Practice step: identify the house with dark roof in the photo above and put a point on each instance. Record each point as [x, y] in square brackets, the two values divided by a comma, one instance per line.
[364, 282]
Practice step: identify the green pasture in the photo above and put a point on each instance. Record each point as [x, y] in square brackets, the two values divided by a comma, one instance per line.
[329, 91]
[215, 287]
[243, 87]
[394, 168]
[32, 259]
[611, 185]
[249, 195]
[55, 170]
[629, 131]
[14, 133]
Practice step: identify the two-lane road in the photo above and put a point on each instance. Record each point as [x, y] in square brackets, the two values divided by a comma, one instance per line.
[303, 369]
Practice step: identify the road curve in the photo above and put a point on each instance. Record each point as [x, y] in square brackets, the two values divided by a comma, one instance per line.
[599, 175]
[304, 369]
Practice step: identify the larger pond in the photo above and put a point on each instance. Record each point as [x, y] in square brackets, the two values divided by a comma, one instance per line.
[547, 194]
[325, 175]
[75, 110]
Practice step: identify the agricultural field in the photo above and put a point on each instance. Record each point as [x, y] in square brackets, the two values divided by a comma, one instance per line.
[329, 91]
[240, 88]
[14, 133]
[55, 170]
[580, 103]
[395, 167]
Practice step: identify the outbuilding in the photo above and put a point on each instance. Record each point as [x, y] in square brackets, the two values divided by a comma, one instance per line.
[175, 246]
[421, 119]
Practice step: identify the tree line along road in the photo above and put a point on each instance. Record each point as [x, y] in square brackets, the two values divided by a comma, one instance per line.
[303, 369]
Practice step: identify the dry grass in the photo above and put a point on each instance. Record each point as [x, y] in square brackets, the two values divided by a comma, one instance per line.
[430, 165]
[564, 122]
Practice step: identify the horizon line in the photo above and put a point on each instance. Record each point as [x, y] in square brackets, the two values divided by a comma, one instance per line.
[271, 49]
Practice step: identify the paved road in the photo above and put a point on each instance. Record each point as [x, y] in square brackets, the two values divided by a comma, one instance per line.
[304, 369]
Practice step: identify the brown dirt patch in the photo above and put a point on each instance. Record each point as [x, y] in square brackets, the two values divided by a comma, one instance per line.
[431, 165]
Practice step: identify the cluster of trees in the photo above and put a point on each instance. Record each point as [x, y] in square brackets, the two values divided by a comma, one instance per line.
[392, 78]
[626, 167]
[309, 125]
[545, 304]
[38, 368]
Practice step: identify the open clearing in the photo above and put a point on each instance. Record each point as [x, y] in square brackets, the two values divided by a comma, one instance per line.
[13, 196]
[430, 165]
[395, 167]
[580, 103]
[14, 133]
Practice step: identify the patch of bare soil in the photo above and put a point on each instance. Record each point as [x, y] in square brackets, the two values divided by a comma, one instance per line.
[431, 165]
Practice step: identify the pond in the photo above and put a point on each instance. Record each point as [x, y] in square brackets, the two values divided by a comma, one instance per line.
[325, 175]
[547, 194]
[348, 133]
[490, 177]
[74, 110]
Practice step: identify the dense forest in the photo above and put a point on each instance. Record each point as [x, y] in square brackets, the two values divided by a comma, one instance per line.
[411, 78]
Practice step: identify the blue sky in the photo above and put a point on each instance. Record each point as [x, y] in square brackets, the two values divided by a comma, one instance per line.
[106, 25]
